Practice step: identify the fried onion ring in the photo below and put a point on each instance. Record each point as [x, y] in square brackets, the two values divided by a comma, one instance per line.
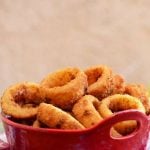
[140, 92]
[21, 100]
[114, 133]
[54, 117]
[117, 103]
[85, 111]
[102, 82]
[118, 85]
[65, 87]
[36, 124]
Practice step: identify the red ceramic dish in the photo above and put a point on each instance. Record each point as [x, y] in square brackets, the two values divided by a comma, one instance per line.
[22, 137]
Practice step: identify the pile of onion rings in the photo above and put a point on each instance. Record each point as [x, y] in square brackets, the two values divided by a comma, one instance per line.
[71, 98]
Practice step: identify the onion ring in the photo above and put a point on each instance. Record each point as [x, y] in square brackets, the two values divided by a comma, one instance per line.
[118, 85]
[114, 133]
[21, 100]
[102, 82]
[54, 117]
[120, 102]
[140, 92]
[36, 124]
[65, 87]
[85, 111]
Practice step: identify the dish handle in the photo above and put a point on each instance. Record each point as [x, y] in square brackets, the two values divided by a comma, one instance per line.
[132, 114]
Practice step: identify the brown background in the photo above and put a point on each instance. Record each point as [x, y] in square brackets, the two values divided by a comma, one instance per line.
[40, 36]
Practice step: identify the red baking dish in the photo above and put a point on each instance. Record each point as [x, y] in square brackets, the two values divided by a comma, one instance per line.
[22, 137]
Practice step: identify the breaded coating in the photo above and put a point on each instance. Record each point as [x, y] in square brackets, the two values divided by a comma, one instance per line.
[85, 110]
[54, 117]
[139, 91]
[65, 87]
[118, 102]
[102, 82]
[21, 100]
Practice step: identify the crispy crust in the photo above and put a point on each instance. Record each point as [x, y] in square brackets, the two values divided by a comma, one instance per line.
[56, 118]
[118, 84]
[65, 87]
[102, 82]
[85, 110]
[21, 100]
[140, 92]
[117, 103]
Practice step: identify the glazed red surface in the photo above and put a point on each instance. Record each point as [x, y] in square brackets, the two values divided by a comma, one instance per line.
[95, 138]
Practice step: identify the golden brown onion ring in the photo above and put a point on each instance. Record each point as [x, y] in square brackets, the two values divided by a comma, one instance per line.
[140, 92]
[102, 82]
[117, 85]
[85, 111]
[65, 87]
[36, 124]
[21, 100]
[56, 118]
[114, 133]
[117, 103]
